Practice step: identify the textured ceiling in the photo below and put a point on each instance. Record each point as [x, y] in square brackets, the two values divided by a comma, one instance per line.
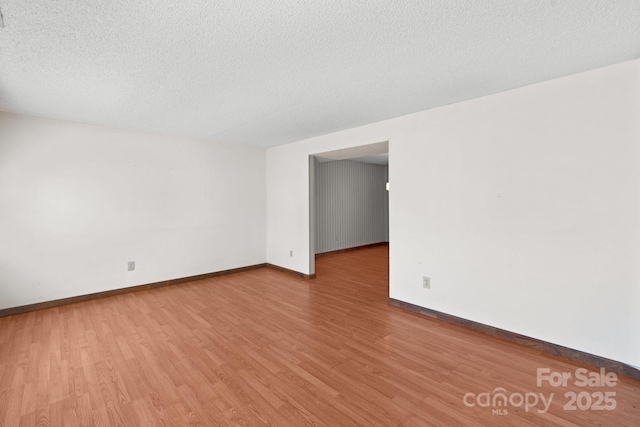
[269, 72]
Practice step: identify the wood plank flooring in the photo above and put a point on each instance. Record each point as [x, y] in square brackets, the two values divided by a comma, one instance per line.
[265, 348]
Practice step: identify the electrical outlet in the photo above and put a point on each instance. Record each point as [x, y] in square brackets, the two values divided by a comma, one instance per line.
[291, 253]
[131, 265]
[426, 282]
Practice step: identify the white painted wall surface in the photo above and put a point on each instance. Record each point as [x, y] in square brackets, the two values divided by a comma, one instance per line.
[523, 208]
[78, 201]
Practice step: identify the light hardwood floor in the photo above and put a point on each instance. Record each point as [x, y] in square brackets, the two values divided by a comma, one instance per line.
[266, 348]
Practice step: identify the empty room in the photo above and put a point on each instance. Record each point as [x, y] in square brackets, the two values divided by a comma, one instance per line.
[325, 213]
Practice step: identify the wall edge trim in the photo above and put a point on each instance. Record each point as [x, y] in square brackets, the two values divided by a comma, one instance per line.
[113, 292]
[354, 248]
[292, 272]
[547, 347]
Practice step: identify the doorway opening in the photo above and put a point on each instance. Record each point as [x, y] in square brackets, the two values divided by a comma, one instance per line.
[348, 200]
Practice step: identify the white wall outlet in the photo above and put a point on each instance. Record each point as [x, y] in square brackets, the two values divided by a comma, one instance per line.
[131, 265]
[426, 282]
[291, 253]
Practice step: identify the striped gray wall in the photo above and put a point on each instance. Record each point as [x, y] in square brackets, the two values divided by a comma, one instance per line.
[351, 205]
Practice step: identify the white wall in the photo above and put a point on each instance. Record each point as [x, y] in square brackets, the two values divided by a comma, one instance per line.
[78, 201]
[523, 207]
[351, 205]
